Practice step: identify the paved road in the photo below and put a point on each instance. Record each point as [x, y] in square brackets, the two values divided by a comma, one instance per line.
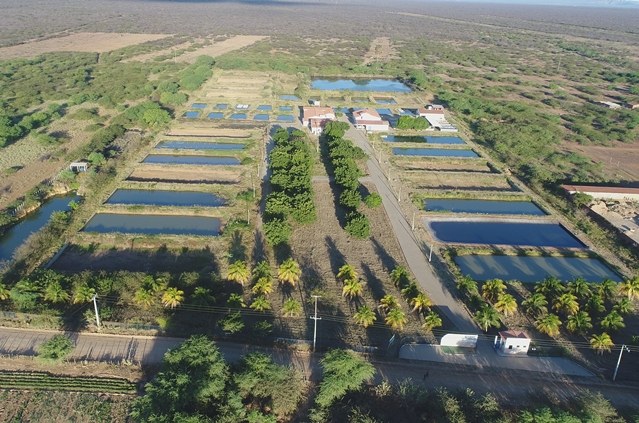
[409, 244]
[508, 386]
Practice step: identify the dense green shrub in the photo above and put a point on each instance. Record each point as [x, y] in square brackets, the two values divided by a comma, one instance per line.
[373, 200]
[409, 122]
[56, 348]
[357, 225]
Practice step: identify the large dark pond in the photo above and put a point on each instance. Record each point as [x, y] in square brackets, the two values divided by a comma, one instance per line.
[190, 160]
[165, 198]
[151, 224]
[459, 205]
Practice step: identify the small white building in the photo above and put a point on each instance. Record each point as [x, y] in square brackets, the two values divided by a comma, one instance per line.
[512, 342]
[78, 167]
[316, 117]
[434, 114]
[370, 121]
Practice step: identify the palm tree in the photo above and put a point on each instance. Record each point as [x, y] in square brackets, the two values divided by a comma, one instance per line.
[172, 297]
[262, 270]
[567, 303]
[421, 302]
[487, 317]
[352, 288]
[506, 304]
[467, 284]
[291, 308]
[400, 276]
[260, 304]
[365, 316]
[579, 322]
[289, 272]
[595, 303]
[550, 287]
[492, 289]
[630, 288]
[347, 272]
[432, 321]
[83, 294]
[263, 286]
[235, 300]
[202, 296]
[238, 272]
[579, 288]
[144, 298]
[601, 343]
[396, 319]
[535, 304]
[4, 292]
[387, 303]
[54, 293]
[154, 284]
[623, 306]
[410, 290]
[608, 289]
[613, 321]
[549, 324]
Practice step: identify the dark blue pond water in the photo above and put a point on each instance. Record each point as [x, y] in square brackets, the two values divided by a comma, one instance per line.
[216, 115]
[261, 117]
[221, 106]
[190, 160]
[433, 152]
[153, 224]
[387, 112]
[384, 100]
[423, 139]
[265, 107]
[192, 115]
[286, 118]
[238, 116]
[344, 110]
[386, 85]
[289, 97]
[286, 108]
[504, 233]
[198, 106]
[32, 223]
[482, 206]
[408, 112]
[199, 145]
[534, 269]
[165, 198]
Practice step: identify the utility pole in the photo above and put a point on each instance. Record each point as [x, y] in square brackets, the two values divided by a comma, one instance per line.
[412, 226]
[95, 307]
[623, 347]
[430, 253]
[315, 318]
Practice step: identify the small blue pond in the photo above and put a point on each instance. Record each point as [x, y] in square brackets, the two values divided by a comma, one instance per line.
[384, 100]
[433, 152]
[286, 118]
[423, 139]
[238, 116]
[190, 160]
[198, 106]
[216, 115]
[265, 107]
[382, 85]
[289, 97]
[199, 145]
[286, 108]
[534, 269]
[192, 115]
[151, 224]
[459, 205]
[503, 233]
[16, 235]
[165, 198]
[222, 106]
[387, 112]
[261, 116]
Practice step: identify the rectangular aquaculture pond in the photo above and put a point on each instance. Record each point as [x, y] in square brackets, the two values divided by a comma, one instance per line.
[192, 115]
[261, 117]
[384, 100]
[152, 224]
[424, 139]
[434, 152]
[198, 106]
[221, 106]
[265, 107]
[286, 118]
[286, 108]
[216, 115]
[503, 233]
[179, 159]
[198, 145]
[238, 116]
[534, 269]
[387, 85]
[289, 97]
[461, 205]
[147, 197]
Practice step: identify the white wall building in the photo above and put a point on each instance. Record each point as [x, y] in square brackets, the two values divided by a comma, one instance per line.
[512, 342]
[316, 117]
[370, 121]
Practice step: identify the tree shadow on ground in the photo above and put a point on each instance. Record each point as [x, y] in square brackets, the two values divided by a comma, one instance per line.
[374, 283]
[237, 249]
[388, 262]
[335, 256]
[259, 247]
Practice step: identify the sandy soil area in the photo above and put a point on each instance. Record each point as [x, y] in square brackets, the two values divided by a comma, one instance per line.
[218, 49]
[381, 50]
[186, 174]
[98, 42]
[463, 181]
[620, 161]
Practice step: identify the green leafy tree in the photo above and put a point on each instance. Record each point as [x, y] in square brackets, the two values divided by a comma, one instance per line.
[260, 303]
[236, 301]
[238, 272]
[352, 288]
[343, 372]
[55, 293]
[613, 321]
[566, 303]
[232, 323]
[551, 287]
[5, 294]
[289, 272]
[291, 308]
[630, 288]
[535, 304]
[262, 270]
[549, 324]
[623, 306]
[373, 200]
[396, 319]
[277, 231]
[172, 297]
[595, 303]
[421, 302]
[25, 295]
[263, 286]
[487, 317]
[365, 316]
[579, 322]
[400, 276]
[357, 225]
[608, 289]
[83, 293]
[55, 349]
[492, 289]
[347, 272]
[579, 288]
[432, 321]
[144, 298]
[601, 343]
[387, 303]
[467, 284]
[506, 304]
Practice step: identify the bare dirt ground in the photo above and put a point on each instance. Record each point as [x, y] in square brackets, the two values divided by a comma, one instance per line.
[222, 47]
[146, 57]
[204, 129]
[98, 42]
[381, 50]
[238, 86]
[457, 180]
[619, 161]
[442, 165]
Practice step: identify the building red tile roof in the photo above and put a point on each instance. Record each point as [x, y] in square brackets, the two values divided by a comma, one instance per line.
[513, 334]
[370, 112]
[312, 111]
[425, 111]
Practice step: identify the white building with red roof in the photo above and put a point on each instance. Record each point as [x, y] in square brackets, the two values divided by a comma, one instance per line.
[512, 342]
[369, 120]
[316, 117]
[434, 114]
